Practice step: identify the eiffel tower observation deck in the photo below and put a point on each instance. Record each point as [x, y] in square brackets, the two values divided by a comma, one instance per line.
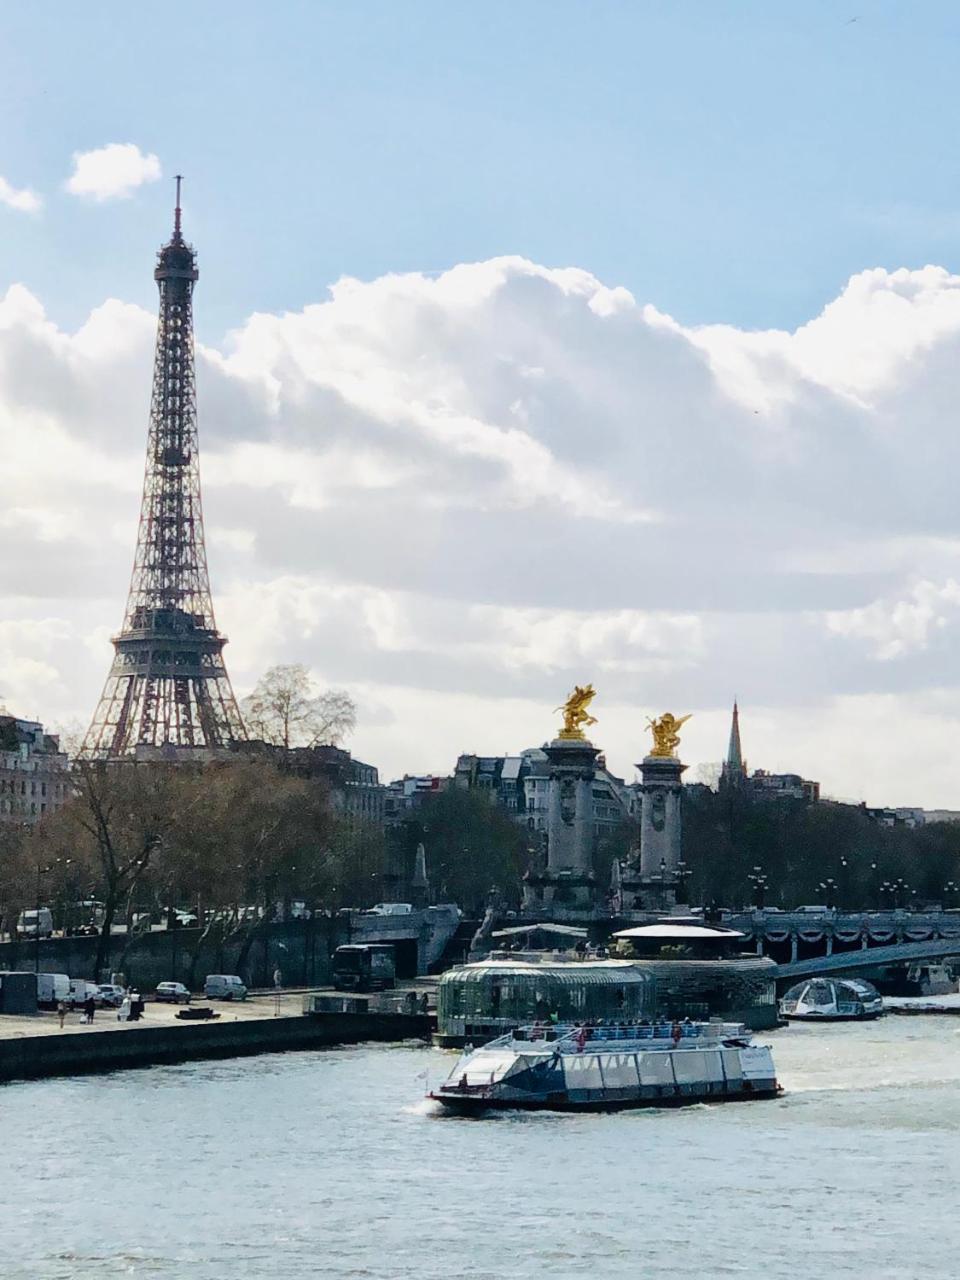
[168, 687]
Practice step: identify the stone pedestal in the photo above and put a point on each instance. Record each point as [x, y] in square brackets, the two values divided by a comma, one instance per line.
[567, 879]
[661, 794]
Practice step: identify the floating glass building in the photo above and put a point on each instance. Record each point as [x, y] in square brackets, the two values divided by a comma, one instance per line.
[476, 1002]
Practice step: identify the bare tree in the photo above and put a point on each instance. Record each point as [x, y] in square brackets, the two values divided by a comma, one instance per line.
[119, 818]
[286, 710]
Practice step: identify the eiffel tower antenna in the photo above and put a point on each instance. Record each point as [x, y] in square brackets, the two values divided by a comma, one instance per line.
[168, 686]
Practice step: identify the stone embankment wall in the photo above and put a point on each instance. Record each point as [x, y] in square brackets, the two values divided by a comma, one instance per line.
[302, 949]
[30, 1057]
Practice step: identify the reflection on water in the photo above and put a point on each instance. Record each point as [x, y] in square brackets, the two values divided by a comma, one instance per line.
[332, 1164]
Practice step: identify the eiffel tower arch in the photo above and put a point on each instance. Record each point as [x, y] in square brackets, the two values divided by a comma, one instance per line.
[168, 687]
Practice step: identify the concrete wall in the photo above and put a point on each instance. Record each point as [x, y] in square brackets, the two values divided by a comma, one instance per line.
[301, 948]
[29, 1057]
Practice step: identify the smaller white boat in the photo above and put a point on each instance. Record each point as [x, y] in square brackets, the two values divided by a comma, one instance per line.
[831, 1000]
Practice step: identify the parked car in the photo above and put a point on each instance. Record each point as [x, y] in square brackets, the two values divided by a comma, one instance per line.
[390, 909]
[109, 995]
[51, 989]
[32, 923]
[224, 986]
[172, 993]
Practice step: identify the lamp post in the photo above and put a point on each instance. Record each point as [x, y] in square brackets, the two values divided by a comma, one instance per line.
[42, 871]
[682, 873]
[829, 888]
[899, 888]
[843, 882]
[758, 881]
[950, 889]
[874, 882]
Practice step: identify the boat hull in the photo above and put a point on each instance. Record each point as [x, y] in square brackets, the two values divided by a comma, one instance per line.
[833, 1017]
[475, 1106]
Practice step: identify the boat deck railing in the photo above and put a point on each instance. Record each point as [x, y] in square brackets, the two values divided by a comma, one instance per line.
[573, 1033]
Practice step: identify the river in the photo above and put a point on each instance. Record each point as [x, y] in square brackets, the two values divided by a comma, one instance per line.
[329, 1164]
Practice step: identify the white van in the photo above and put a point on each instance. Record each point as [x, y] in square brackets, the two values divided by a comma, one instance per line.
[224, 986]
[80, 988]
[51, 989]
[32, 923]
[391, 909]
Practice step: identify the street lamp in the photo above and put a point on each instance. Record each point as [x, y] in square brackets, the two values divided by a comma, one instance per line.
[758, 881]
[898, 888]
[682, 872]
[950, 889]
[42, 871]
[829, 888]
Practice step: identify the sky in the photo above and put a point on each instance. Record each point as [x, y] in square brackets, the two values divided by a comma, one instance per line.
[537, 344]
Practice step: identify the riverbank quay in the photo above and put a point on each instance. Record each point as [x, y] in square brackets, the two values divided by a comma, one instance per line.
[35, 1047]
[920, 1006]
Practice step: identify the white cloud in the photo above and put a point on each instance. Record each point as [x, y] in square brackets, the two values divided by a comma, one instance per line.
[112, 172]
[457, 495]
[20, 198]
[894, 628]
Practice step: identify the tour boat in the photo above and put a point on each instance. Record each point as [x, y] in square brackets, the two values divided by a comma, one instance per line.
[608, 1068]
[832, 1000]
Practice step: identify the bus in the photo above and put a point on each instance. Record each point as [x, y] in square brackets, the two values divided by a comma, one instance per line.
[364, 967]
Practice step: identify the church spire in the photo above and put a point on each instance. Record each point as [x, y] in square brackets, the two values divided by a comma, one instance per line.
[734, 768]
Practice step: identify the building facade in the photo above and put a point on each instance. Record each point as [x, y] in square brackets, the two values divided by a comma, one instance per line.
[34, 772]
[355, 786]
[520, 785]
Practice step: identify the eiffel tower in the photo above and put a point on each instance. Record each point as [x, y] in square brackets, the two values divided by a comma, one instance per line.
[168, 686]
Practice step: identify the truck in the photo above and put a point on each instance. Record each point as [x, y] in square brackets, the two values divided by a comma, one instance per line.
[51, 989]
[364, 967]
[36, 922]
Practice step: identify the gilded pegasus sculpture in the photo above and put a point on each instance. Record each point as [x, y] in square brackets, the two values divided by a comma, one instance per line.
[575, 714]
[666, 736]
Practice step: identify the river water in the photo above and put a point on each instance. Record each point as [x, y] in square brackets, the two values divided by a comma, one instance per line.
[330, 1164]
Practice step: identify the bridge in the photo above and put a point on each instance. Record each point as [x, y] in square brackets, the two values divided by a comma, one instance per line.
[791, 937]
[418, 937]
[868, 958]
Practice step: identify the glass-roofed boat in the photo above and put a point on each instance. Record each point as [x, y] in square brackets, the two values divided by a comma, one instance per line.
[610, 1067]
[831, 1000]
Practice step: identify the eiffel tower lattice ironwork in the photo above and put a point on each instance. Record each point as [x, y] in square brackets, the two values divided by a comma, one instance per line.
[168, 686]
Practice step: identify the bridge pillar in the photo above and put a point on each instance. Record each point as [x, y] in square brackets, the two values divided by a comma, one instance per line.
[829, 944]
[793, 946]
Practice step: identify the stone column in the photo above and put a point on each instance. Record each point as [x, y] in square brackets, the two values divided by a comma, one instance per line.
[660, 826]
[568, 879]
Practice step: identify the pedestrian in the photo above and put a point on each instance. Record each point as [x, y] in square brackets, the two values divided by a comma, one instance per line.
[89, 1008]
[62, 1012]
[277, 978]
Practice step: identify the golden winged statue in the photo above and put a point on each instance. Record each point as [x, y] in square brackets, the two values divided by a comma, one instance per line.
[666, 735]
[575, 714]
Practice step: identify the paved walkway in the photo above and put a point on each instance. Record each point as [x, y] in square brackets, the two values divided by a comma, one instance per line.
[261, 1005]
